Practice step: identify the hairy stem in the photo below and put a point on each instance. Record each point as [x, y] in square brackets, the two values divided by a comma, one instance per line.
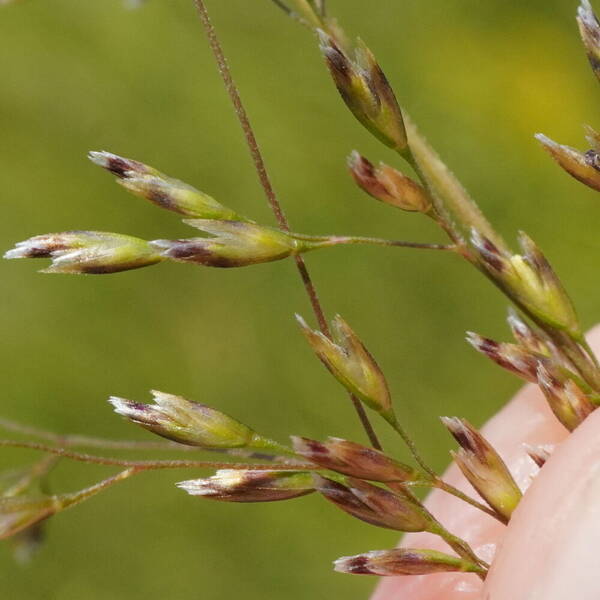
[435, 479]
[338, 240]
[41, 468]
[461, 547]
[448, 195]
[144, 465]
[78, 497]
[82, 441]
[410, 444]
[267, 186]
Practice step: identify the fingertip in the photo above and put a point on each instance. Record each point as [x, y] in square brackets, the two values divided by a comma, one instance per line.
[550, 549]
[526, 419]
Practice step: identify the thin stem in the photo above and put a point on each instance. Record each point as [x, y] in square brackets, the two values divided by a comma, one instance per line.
[69, 500]
[410, 444]
[241, 113]
[82, 441]
[470, 215]
[74, 440]
[143, 465]
[439, 212]
[337, 240]
[450, 489]
[436, 480]
[267, 186]
[41, 468]
[461, 547]
[441, 182]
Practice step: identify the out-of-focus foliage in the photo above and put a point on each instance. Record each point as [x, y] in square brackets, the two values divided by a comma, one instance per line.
[479, 78]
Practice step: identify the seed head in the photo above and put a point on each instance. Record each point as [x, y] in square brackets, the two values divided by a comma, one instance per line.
[483, 467]
[366, 91]
[582, 167]
[232, 485]
[354, 459]
[528, 337]
[566, 399]
[178, 196]
[388, 185]
[590, 33]
[512, 357]
[374, 505]
[232, 244]
[88, 252]
[350, 363]
[540, 289]
[495, 260]
[403, 561]
[21, 512]
[120, 166]
[530, 281]
[164, 191]
[186, 422]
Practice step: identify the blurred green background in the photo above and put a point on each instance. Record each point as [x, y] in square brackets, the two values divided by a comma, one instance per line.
[480, 78]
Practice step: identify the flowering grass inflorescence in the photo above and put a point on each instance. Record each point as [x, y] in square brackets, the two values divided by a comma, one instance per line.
[549, 348]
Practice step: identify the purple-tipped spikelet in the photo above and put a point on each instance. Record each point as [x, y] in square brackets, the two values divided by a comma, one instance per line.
[552, 353]
[590, 33]
[530, 281]
[582, 166]
[20, 512]
[351, 364]
[403, 561]
[567, 400]
[365, 90]
[494, 259]
[233, 485]
[511, 357]
[539, 454]
[483, 467]
[232, 244]
[120, 166]
[540, 290]
[187, 422]
[374, 505]
[388, 185]
[164, 191]
[528, 337]
[88, 252]
[354, 460]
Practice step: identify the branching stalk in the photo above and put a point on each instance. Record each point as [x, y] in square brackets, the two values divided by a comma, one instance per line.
[435, 479]
[82, 441]
[461, 547]
[267, 186]
[145, 465]
[338, 240]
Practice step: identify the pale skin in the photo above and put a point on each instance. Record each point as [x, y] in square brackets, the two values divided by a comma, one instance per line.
[549, 551]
